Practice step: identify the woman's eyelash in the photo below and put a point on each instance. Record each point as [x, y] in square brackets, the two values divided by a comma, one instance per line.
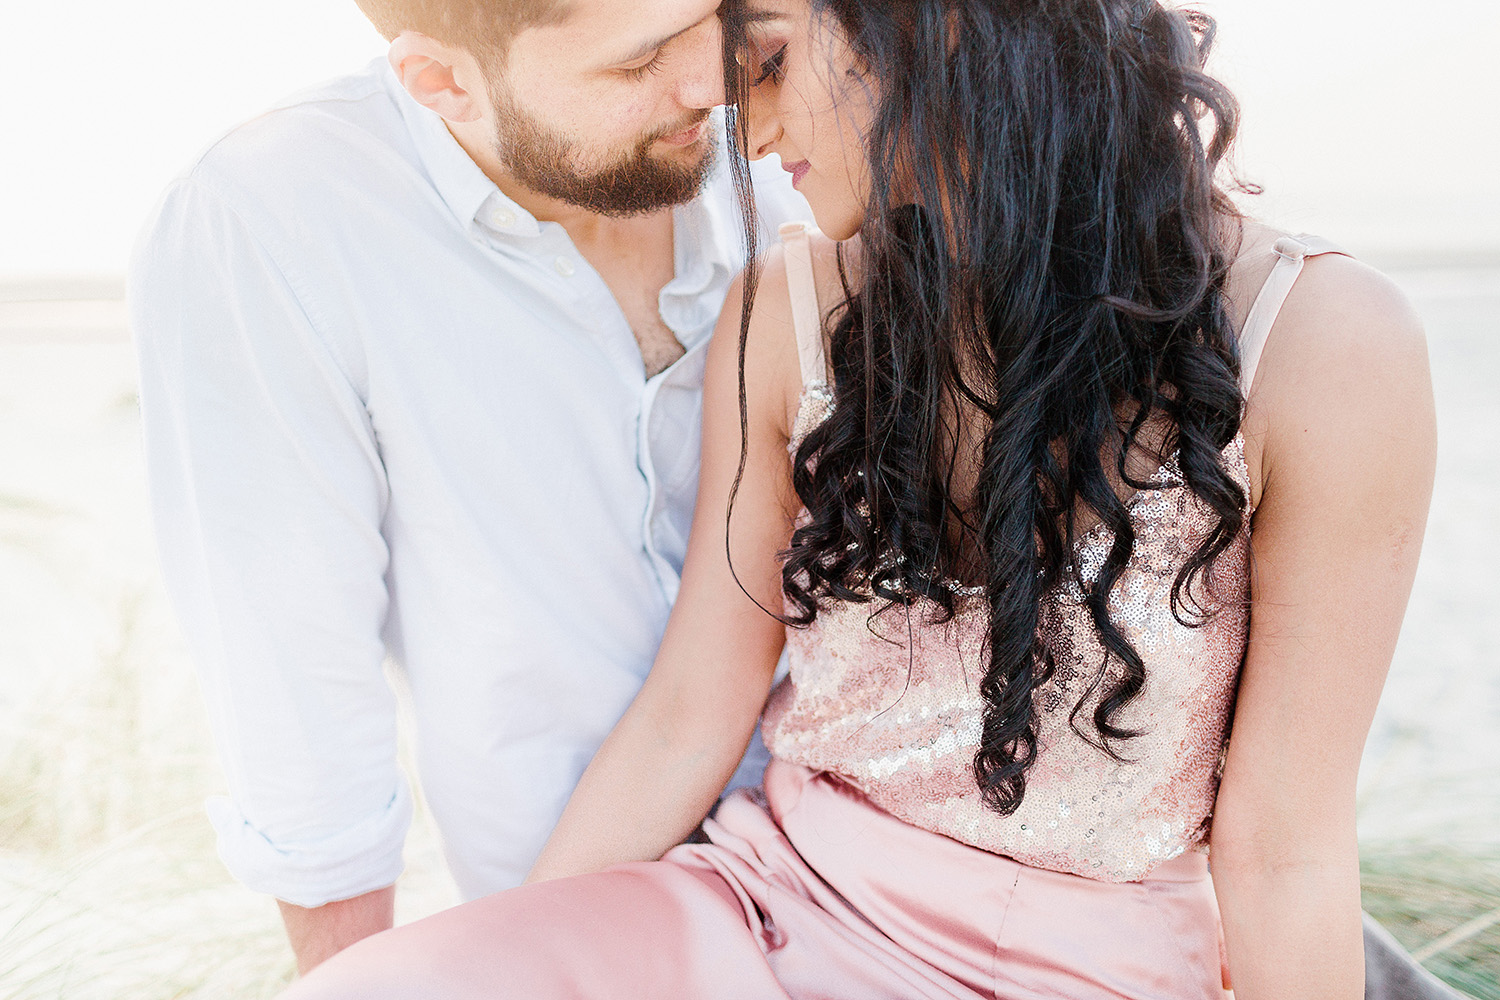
[639, 72]
[771, 67]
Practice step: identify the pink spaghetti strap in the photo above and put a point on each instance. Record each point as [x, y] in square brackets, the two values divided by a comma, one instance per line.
[1291, 253]
[807, 317]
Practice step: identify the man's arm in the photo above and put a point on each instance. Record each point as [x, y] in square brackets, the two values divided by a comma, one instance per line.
[321, 932]
[268, 495]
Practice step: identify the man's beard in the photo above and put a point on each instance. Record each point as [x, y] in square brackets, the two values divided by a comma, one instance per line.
[635, 184]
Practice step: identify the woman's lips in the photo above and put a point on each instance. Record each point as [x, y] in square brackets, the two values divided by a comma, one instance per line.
[798, 170]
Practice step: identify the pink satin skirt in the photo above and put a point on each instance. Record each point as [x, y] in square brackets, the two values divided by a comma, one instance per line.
[812, 893]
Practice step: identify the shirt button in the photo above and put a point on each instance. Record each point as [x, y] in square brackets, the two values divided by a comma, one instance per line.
[565, 267]
[503, 217]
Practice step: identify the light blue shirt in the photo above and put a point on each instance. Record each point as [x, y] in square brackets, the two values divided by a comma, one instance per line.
[389, 414]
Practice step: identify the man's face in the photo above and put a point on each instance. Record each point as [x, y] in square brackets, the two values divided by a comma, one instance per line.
[609, 109]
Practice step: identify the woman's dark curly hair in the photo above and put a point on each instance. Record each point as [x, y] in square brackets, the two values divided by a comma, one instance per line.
[1043, 262]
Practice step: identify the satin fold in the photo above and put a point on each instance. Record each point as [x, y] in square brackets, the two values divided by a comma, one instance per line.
[806, 892]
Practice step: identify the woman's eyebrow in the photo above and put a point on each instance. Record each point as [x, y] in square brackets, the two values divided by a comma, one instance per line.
[755, 15]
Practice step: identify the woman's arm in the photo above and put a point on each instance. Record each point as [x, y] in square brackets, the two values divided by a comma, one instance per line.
[669, 757]
[1341, 435]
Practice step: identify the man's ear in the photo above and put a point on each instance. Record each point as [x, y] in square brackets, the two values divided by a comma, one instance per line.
[429, 71]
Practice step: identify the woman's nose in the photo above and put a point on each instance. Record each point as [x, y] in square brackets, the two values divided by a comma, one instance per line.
[762, 127]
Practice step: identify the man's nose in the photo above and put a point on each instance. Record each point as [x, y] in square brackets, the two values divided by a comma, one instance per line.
[702, 82]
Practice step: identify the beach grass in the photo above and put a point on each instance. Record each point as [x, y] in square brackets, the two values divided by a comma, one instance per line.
[109, 883]
[1443, 904]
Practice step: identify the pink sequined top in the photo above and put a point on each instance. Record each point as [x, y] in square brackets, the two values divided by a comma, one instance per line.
[892, 705]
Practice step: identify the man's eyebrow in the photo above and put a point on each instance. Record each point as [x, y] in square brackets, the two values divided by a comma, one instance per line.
[756, 15]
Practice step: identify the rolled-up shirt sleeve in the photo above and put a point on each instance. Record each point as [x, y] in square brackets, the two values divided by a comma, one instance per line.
[268, 495]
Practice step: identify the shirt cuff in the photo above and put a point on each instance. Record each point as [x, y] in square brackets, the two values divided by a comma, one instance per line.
[358, 859]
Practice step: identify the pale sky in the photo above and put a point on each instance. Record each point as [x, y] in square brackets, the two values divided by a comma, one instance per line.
[1371, 122]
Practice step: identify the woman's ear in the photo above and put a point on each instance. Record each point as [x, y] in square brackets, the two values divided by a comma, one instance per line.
[427, 69]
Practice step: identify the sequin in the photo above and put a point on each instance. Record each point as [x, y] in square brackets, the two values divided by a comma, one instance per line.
[815, 406]
[892, 704]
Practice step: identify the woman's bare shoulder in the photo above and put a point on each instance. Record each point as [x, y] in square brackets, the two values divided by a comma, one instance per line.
[1344, 325]
[1337, 304]
[1347, 357]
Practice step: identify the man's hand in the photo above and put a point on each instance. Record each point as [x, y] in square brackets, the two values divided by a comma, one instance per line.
[320, 933]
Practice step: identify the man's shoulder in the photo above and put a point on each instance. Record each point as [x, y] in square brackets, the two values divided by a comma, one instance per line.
[325, 141]
[369, 81]
[298, 198]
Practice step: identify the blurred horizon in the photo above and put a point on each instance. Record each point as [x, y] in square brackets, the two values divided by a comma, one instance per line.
[1357, 119]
